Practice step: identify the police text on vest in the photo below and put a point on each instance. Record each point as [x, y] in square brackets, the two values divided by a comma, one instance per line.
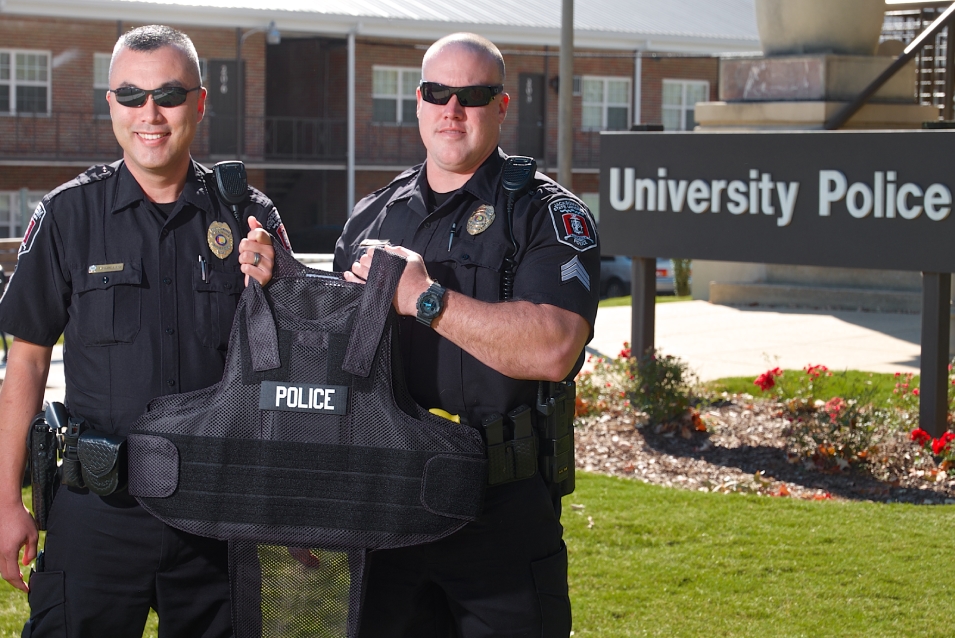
[303, 397]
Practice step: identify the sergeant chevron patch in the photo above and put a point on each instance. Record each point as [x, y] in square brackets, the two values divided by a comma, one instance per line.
[573, 269]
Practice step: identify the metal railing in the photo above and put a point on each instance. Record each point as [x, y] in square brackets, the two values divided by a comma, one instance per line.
[927, 39]
[392, 144]
[933, 61]
[586, 152]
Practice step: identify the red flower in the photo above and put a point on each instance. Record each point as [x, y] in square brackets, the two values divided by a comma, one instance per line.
[920, 436]
[940, 445]
[915, 391]
[765, 381]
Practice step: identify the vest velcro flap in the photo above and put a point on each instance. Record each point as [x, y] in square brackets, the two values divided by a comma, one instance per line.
[279, 484]
[448, 486]
[153, 466]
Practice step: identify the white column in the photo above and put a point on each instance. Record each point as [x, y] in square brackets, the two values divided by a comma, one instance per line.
[565, 103]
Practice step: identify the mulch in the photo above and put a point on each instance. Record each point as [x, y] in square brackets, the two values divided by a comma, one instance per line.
[745, 448]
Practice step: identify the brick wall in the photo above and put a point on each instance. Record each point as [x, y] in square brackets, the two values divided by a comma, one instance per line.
[655, 70]
[383, 143]
[72, 126]
[13, 178]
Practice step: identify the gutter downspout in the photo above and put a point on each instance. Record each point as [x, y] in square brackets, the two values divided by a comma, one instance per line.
[637, 86]
[351, 120]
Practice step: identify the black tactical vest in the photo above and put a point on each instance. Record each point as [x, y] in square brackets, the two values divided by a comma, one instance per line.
[308, 453]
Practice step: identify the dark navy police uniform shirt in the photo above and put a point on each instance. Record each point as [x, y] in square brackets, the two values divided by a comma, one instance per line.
[147, 324]
[558, 263]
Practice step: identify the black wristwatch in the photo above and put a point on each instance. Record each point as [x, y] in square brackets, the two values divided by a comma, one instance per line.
[430, 304]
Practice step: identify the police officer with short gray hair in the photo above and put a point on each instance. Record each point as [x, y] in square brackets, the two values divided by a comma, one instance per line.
[496, 305]
[139, 265]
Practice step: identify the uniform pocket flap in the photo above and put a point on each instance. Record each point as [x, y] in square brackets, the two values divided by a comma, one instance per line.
[130, 275]
[153, 466]
[229, 282]
[467, 251]
[453, 486]
[46, 592]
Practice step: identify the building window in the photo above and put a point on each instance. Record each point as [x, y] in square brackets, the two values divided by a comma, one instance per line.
[100, 83]
[11, 213]
[24, 81]
[393, 94]
[679, 103]
[605, 103]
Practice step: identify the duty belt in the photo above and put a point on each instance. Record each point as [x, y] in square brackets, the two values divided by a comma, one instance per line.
[309, 452]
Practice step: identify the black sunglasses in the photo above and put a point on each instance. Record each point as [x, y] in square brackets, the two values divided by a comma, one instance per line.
[435, 93]
[165, 96]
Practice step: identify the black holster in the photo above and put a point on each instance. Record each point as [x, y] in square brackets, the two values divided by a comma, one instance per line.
[42, 467]
[555, 422]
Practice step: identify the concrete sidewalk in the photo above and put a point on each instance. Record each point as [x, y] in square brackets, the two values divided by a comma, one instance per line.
[723, 341]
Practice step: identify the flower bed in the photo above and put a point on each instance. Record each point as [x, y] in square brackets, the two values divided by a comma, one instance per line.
[648, 418]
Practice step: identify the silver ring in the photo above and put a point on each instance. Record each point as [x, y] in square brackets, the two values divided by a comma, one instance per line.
[258, 258]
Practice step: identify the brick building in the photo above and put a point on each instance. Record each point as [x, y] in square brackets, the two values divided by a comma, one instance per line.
[326, 114]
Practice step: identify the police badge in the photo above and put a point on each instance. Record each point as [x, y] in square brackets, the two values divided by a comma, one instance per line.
[220, 241]
[480, 219]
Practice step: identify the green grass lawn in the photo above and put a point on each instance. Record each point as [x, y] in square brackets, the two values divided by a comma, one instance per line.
[854, 383]
[666, 562]
[627, 301]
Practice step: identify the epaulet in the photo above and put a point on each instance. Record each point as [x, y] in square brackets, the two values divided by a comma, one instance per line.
[545, 188]
[90, 175]
[258, 197]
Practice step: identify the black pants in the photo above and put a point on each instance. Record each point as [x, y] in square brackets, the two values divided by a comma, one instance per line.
[505, 575]
[107, 561]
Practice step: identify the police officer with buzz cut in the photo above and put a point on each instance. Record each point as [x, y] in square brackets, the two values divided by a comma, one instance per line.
[139, 265]
[497, 302]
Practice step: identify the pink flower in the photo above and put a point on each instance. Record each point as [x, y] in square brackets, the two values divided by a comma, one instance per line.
[815, 371]
[834, 406]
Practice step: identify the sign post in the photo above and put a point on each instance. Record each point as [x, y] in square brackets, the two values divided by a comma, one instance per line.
[852, 199]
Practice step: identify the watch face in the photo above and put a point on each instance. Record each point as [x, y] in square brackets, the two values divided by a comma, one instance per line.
[430, 304]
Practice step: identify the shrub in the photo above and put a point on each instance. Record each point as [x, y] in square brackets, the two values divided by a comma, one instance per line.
[656, 384]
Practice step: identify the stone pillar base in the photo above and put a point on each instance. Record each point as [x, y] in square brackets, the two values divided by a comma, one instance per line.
[749, 116]
[821, 78]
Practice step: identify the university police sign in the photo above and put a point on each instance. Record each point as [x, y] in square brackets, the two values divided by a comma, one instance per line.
[853, 199]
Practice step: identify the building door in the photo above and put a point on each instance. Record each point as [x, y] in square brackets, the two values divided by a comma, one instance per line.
[222, 107]
[530, 116]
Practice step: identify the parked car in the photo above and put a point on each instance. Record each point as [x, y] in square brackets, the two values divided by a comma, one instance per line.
[615, 276]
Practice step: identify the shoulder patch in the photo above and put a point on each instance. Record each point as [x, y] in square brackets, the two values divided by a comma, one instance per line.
[573, 224]
[30, 235]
